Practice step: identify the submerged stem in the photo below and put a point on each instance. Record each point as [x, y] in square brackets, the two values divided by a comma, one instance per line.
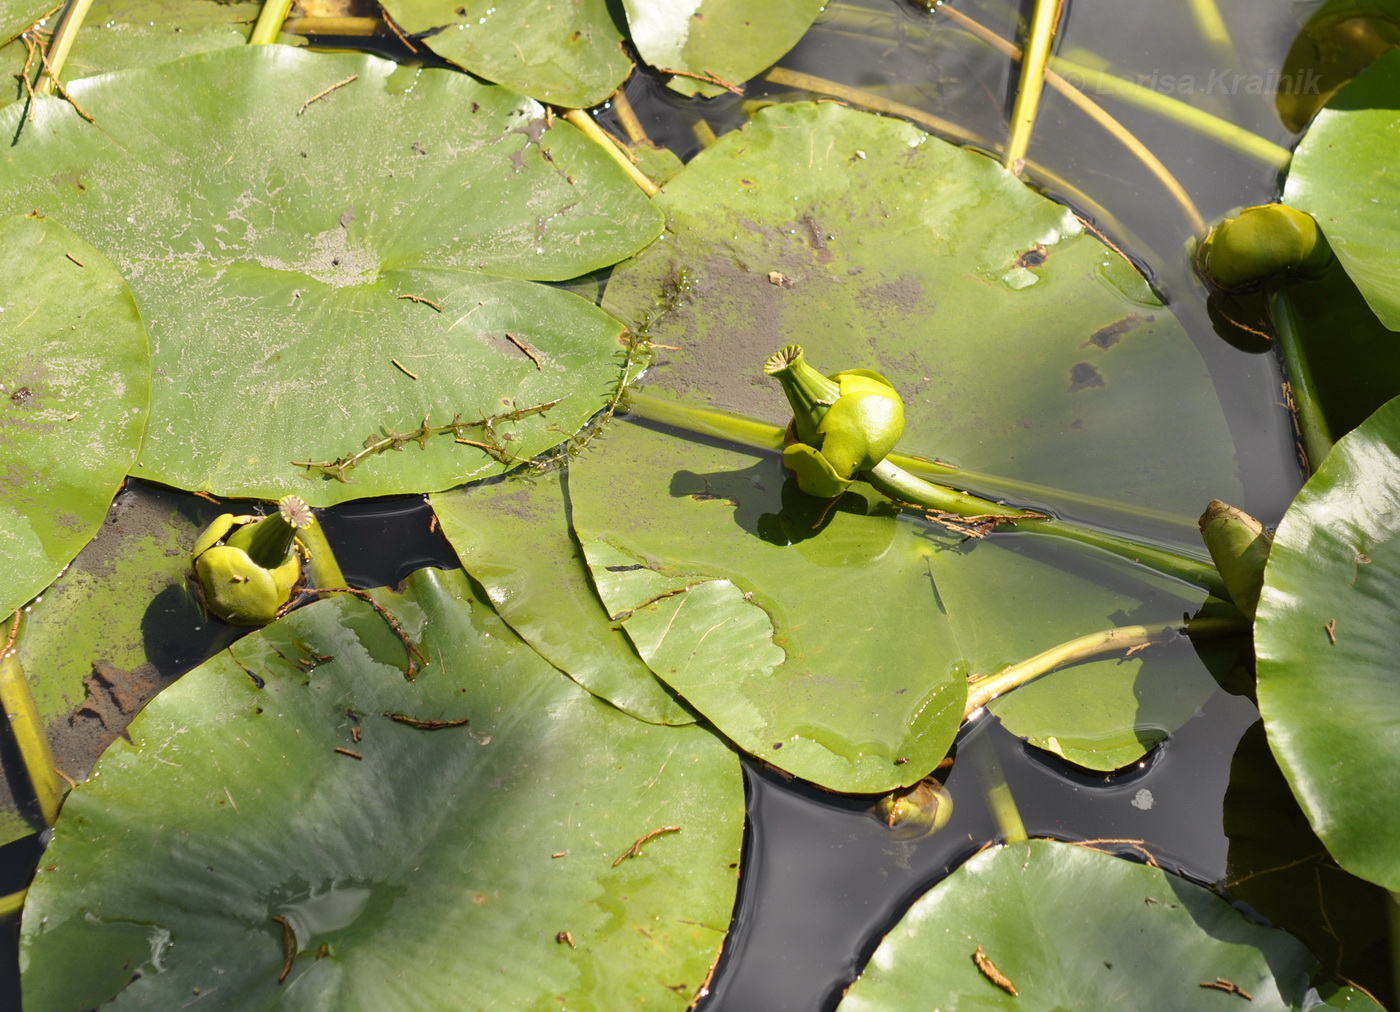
[982, 689]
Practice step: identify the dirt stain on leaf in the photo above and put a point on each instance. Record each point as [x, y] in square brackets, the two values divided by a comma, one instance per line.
[1107, 337]
[1083, 375]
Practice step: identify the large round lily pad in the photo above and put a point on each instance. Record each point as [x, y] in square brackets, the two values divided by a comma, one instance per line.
[1070, 928]
[329, 248]
[70, 422]
[1022, 346]
[1343, 174]
[1325, 640]
[271, 798]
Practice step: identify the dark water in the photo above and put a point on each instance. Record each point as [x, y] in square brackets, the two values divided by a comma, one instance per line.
[823, 879]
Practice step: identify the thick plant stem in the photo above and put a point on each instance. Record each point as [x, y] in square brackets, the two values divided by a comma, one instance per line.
[28, 730]
[1035, 56]
[269, 24]
[982, 689]
[1313, 429]
[597, 135]
[64, 34]
[895, 481]
[321, 564]
[12, 904]
[902, 486]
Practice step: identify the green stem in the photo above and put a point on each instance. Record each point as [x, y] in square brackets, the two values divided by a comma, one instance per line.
[64, 35]
[28, 730]
[1211, 24]
[893, 477]
[899, 484]
[1313, 429]
[270, 19]
[982, 689]
[1217, 129]
[321, 561]
[1036, 52]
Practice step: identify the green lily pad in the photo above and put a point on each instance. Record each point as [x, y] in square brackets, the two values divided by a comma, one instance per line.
[713, 42]
[1071, 928]
[809, 634]
[1343, 174]
[832, 639]
[514, 539]
[564, 54]
[1324, 638]
[342, 297]
[416, 868]
[70, 428]
[1023, 347]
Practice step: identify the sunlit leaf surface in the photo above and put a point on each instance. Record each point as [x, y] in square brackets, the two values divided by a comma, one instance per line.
[1343, 174]
[1325, 641]
[514, 539]
[415, 868]
[1023, 348]
[567, 54]
[70, 427]
[329, 247]
[1070, 928]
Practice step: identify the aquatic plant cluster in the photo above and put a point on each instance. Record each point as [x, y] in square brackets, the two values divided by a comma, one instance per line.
[802, 454]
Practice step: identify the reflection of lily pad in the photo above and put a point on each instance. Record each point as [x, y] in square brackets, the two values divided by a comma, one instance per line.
[1343, 174]
[1325, 640]
[69, 430]
[1069, 928]
[1022, 346]
[464, 866]
[339, 295]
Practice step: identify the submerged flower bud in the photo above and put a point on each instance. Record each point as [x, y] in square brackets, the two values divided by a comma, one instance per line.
[248, 566]
[1261, 242]
[843, 424]
[916, 811]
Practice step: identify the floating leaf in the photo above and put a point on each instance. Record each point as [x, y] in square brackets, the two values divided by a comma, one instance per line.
[1023, 347]
[418, 867]
[514, 539]
[564, 54]
[832, 639]
[70, 427]
[1325, 640]
[709, 43]
[1343, 174]
[1070, 928]
[344, 298]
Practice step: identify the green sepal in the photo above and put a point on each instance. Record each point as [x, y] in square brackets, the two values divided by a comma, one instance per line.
[1239, 547]
[814, 474]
